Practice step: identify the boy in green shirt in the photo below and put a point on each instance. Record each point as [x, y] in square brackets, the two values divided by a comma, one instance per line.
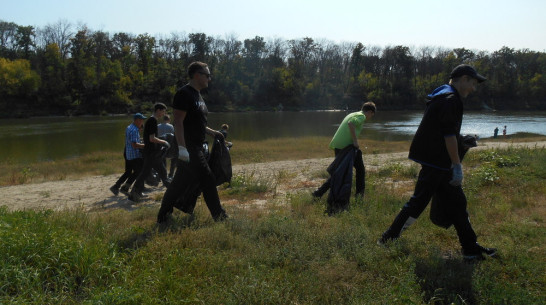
[347, 134]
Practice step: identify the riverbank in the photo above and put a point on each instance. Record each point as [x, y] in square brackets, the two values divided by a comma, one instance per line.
[279, 247]
[284, 178]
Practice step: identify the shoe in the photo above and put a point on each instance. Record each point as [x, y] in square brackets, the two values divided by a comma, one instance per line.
[385, 238]
[477, 253]
[316, 195]
[114, 189]
[221, 217]
[135, 196]
[124, 189]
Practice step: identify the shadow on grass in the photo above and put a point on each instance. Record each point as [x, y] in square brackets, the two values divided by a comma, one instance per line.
[446, 281]
[141, 236]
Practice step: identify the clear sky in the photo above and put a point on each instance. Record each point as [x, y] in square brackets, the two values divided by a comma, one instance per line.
[484, 25]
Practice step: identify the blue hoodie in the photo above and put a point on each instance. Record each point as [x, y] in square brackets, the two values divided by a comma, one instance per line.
[443, 89]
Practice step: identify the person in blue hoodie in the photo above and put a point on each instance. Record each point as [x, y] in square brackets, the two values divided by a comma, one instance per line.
[435, 148]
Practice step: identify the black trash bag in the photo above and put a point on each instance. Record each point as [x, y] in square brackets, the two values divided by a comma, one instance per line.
[220, 161]
[439, 207]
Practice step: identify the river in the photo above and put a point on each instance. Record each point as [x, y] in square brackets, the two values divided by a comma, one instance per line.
[53, 138]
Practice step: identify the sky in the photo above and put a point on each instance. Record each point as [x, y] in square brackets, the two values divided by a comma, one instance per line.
[472, 24]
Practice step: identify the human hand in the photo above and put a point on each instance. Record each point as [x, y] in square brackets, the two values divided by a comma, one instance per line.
[457, 177]
[183, 154]
[167, 145]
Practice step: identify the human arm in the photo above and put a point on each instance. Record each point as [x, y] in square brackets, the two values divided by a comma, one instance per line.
[352, 129]
[178, 124]
[137, 145]
[453, 152]
[213, 133]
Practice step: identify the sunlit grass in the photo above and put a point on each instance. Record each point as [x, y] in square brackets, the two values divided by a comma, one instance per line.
[287, 251]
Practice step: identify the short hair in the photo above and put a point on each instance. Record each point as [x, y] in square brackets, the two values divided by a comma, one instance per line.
[166, 118]
[195, 67]
[368, 106]
[225, 126]
[159, 106]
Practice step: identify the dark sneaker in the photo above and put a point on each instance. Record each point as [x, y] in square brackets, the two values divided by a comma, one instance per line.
[477, 253]
[316, 195]
[221, 217]
[135, 196]
[385, 238]
[124, 189]
[114, 189]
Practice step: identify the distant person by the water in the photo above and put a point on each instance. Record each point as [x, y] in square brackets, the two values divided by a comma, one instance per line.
[132, 156]
[224, 130]
[504, 132]
[435, 148]
[163, 129]
[150, 148]
[496, 132]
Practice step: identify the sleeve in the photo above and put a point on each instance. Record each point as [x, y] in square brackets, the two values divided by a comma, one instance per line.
[182, 100]
[358, 121]
[134, 136]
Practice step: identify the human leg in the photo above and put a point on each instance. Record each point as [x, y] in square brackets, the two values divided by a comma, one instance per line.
[207, 182]
[181, 179]
[360, 174]
[136, 191]
[427, 183]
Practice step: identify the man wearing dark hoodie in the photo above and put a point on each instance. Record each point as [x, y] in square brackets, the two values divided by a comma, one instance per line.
[434, 146]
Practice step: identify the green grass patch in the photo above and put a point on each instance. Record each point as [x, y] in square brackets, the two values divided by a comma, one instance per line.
[288, 252]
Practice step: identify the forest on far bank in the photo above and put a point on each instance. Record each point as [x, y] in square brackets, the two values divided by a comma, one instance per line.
[61, 69]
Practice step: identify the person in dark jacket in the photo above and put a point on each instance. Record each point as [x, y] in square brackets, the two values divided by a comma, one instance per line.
[190, 127]
[435, 147]
[347, 135]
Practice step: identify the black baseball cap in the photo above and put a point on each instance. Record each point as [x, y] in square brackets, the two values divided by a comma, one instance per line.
[461, 70]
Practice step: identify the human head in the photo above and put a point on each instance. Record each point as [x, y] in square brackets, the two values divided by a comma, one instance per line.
[159, 110]
[199, 74]
[225, 126]
[166, 118]
[138, 119]
[369, 109]
[465, 79]
[468, 70]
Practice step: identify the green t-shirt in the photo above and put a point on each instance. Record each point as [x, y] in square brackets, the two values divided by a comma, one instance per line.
[342, 138]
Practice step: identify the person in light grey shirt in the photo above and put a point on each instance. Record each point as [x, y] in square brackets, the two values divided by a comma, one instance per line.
[163, 129]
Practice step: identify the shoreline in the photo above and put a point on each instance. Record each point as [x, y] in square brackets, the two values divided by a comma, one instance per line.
[92, 194]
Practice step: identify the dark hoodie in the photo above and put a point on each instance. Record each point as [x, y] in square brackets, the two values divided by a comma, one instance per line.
[442, 118]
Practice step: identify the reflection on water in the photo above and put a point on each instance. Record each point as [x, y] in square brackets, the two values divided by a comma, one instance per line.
[56, 138]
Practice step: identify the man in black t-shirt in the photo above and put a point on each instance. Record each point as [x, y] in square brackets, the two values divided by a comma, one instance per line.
[190, 126]
[151, 142]
[435, 147]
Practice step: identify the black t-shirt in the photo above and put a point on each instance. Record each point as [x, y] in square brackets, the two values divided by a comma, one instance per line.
[189, 100]
[150, 127]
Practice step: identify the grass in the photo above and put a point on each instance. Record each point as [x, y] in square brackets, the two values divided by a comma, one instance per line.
[288, 252]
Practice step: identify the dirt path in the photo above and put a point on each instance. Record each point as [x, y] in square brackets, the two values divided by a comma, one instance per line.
[92, 194]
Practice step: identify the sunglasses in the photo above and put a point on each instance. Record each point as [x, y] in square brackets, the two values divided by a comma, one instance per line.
[208, 75]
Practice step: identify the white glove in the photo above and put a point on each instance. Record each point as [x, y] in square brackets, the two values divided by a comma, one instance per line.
[183, 154]
[457, 178]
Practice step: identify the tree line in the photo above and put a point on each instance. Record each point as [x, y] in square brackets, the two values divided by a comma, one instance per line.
[61, 69]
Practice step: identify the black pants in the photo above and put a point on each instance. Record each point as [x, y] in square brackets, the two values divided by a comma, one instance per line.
[132, 170]
[197, 170]
[430, 181]
[151, 160]
[360, 176]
